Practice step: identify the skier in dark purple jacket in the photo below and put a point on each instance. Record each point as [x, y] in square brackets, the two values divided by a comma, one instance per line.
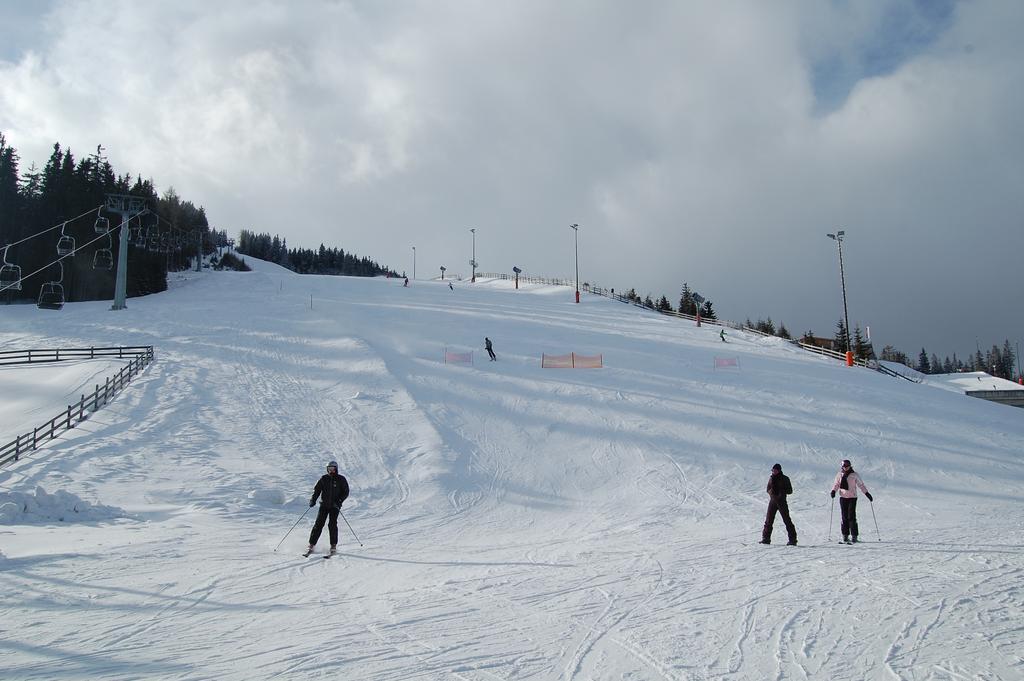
[332, 490]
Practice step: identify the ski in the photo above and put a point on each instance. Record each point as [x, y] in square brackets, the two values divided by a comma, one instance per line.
[306, 554]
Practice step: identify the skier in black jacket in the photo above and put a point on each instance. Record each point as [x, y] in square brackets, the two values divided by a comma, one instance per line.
[332, 490]
[778, 487]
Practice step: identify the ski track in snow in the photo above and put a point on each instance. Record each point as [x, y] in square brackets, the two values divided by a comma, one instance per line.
[517, 523]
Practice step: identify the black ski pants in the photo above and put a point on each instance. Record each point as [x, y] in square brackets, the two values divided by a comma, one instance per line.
[332, 525]
[848, 509]
[780, 506]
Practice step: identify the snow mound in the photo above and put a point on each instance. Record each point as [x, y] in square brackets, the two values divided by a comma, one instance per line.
[18, 508]
[272, 496]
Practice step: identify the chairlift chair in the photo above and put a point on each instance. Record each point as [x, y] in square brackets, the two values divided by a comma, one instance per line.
[65, 244]
[102, 225]
[10, 275]
[103, 259]
[51, 294]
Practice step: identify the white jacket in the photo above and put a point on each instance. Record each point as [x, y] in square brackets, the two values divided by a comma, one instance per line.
[853, 481]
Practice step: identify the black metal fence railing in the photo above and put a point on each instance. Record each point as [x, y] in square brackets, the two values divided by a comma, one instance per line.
[141, 357]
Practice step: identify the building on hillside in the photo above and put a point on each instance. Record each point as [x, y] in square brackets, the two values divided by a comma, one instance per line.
[824, 343]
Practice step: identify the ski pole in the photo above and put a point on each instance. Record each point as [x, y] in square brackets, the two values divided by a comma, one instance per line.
[290, 531]
[830, 514]
[349, 526]
[875, 519]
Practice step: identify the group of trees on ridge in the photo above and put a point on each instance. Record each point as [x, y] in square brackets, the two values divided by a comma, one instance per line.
[307, 261]
[999, 362]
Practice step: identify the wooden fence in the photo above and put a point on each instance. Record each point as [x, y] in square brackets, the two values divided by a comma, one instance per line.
[64, 354]
[141, 356]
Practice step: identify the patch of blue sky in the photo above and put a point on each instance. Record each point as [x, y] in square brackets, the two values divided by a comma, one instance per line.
[902, 32]
[21, 27]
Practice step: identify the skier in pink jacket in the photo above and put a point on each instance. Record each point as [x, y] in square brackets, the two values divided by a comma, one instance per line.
[847, 482]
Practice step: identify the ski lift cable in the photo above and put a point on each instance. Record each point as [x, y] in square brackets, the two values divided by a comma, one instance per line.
[50, 229]
[58, 260]
[169, 223]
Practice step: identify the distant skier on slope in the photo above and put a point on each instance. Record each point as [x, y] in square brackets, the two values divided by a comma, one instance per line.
[778, 487]
[332, 490]
[721, 334]
[406, 282]
[450, 286]
[847, 482]
[489, 348]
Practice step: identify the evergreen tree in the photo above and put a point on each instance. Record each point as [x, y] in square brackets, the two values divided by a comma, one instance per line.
[842, 337]
[784, 332]
[664, 305]
[31, 185]
[860, 348]
[686, 303]
[1009, 359]
[922, 363]
[935, 363]
[9, 194]
[648, 303]
[707, 311]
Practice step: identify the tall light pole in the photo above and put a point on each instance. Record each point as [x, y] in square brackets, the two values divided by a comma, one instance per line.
[576, 242]
[414, 263]
[473, 261]
[838, 238]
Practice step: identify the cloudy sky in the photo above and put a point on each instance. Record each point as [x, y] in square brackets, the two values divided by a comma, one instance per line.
[714, 143]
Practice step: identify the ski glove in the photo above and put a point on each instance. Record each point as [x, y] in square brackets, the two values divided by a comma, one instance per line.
[832, 494]
[868, 495]
[312, 503]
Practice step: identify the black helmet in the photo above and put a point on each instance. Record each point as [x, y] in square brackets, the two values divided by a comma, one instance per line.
[332, 464]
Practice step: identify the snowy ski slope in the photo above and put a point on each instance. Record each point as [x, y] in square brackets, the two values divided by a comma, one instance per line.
[517, 522]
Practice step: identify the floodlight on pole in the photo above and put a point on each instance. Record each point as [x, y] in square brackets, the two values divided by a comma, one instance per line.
[576, 242]
[838, 238]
